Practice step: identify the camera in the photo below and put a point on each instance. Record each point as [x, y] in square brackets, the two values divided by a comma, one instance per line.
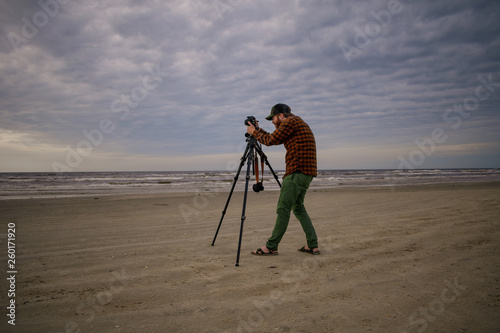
[251, 120]
[258, 187]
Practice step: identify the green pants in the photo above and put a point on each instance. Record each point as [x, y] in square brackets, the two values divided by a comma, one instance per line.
[292, 194]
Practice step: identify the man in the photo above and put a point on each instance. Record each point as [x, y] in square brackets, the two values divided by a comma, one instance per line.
[301, 167]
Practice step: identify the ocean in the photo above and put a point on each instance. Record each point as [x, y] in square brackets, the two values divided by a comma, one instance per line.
[35, 185]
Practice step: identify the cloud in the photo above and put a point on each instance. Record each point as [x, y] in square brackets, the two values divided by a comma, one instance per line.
[220, 65]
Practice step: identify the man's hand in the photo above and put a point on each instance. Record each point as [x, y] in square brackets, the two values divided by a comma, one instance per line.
[250, 129]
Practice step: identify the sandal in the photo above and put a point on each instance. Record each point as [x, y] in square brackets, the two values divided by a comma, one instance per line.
[261, 252]
[303, 249]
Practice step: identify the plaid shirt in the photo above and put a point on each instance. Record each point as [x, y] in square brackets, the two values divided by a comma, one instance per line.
[299, 142]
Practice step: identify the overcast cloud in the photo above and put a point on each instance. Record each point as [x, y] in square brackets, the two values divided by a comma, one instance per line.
[166, 85]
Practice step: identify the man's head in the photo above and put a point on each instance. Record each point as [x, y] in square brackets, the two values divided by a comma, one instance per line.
[278, 113]
[279, 108]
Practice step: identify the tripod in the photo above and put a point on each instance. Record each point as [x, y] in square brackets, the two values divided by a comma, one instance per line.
[253, 147]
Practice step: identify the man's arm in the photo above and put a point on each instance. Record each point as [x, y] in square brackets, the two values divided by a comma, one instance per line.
[278, 137]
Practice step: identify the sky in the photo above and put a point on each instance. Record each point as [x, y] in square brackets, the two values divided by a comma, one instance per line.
[151, 85]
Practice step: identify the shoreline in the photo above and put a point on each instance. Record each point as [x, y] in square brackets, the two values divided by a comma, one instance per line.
[239, 190]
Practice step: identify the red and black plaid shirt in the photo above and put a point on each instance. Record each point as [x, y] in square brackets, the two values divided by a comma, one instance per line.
[299, 142]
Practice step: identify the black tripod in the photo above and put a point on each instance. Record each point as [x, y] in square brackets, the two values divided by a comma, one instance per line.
[253, 148]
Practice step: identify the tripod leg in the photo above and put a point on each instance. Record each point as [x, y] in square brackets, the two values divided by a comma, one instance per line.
[243, 158]
[243, 217]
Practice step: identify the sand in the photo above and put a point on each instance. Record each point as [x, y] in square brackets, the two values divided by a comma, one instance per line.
[394, 259]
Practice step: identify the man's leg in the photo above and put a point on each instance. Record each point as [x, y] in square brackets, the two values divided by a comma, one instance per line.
[288, 195]
[305, 221]
[300, 212]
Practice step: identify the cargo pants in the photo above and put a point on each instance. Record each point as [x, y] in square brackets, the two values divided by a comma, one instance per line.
[292, 194]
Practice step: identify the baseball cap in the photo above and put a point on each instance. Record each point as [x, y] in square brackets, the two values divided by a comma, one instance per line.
[277, 109]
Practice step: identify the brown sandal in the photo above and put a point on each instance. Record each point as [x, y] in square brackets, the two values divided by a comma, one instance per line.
[261, 252]
[303, 249]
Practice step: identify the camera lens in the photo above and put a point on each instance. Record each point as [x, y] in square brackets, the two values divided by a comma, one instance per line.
[258, 187]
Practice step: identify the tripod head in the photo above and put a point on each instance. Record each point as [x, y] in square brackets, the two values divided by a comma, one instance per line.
[250, 138]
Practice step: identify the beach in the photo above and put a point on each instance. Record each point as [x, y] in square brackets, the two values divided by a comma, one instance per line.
[410, 258]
